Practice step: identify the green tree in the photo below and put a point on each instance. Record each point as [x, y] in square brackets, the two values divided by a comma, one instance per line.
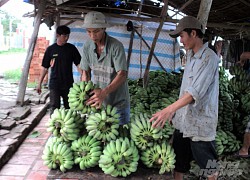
[6, 19]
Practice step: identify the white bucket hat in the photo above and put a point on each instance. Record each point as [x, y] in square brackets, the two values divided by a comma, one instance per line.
[94, 19]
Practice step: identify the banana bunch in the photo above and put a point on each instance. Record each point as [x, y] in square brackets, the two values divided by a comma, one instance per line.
[167, 131]
[226, 142]
[220, 141]
[239, 84]
[161, 85]
[142, 132]
[58, 154]
[160, 156]
[167, 101]
[166, 81]
[78, 94]
[223, 79]
[233, 144]
[120, 158]
[103, 125]
[241, 124]
[226, 110]
[154, 92]
[65, 124]
[245, 102]
[141, 107]
[87, 151]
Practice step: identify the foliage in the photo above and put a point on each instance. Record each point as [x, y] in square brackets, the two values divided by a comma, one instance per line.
[13, 50]
[6, 23]
[13, 75]
[32, 84]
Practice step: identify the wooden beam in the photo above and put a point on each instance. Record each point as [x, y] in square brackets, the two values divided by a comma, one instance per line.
[85, 9]
[70, 22]
[245, 2]
[225, 6]
[159, 62]
[236, 26]
[130, 47]
[229, 26]
[140, 7]
[204, 10]
[183, 7]
[2, 2]
[26, 67]
[163, 18]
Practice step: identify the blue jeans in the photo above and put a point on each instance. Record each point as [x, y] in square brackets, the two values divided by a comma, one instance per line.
[124, 115]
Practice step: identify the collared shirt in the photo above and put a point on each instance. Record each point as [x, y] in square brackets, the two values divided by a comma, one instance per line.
[104, 69]
[198, 120]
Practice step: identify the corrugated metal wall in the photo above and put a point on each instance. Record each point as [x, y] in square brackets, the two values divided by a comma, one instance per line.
[166, 50]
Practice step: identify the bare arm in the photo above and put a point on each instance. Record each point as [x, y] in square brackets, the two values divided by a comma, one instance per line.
[44, 72]
[243, 57]
[79, 69]
[167, 113]
[85, 75]
[119, 79]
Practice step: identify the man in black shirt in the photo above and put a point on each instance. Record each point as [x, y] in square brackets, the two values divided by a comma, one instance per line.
[59, 57]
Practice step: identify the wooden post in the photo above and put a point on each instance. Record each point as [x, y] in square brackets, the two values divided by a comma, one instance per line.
[25, 73]
[204, 10]
[163, 18]
[183, 7]
[149, 49]
[130, 47]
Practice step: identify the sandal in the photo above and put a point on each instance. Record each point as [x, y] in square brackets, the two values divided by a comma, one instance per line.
[237, 155]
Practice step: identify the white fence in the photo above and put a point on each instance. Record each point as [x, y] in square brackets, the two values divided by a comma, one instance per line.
[166, 50]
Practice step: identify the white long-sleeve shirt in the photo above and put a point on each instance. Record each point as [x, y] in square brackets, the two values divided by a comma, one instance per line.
[198, 120]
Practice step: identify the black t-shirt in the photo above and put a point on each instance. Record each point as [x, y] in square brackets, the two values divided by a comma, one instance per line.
[60, 59]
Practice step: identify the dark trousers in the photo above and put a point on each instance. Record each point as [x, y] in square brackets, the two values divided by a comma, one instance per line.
[55, 99]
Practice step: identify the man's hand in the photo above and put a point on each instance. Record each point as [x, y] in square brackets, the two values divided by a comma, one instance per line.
[39, 89]
[162, 116]
[97, 96]
[240, 63]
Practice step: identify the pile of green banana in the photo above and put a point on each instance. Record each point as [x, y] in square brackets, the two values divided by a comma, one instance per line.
[223, 79]
[142, 132]
[87, 151]
[120, 158]
[160, 156]
[56, 154]
[65, 124]
[241, 124]
[226, 142]
[245, 102]
[161, 85]
[78, 94]
[226, 110]
[240, 82]
[166, 81]
[233, 144]
[104, 124]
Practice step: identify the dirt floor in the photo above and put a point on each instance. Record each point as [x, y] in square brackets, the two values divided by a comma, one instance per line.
[96, 173]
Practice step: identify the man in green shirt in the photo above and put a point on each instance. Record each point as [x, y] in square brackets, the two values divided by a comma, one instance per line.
[104, 62]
